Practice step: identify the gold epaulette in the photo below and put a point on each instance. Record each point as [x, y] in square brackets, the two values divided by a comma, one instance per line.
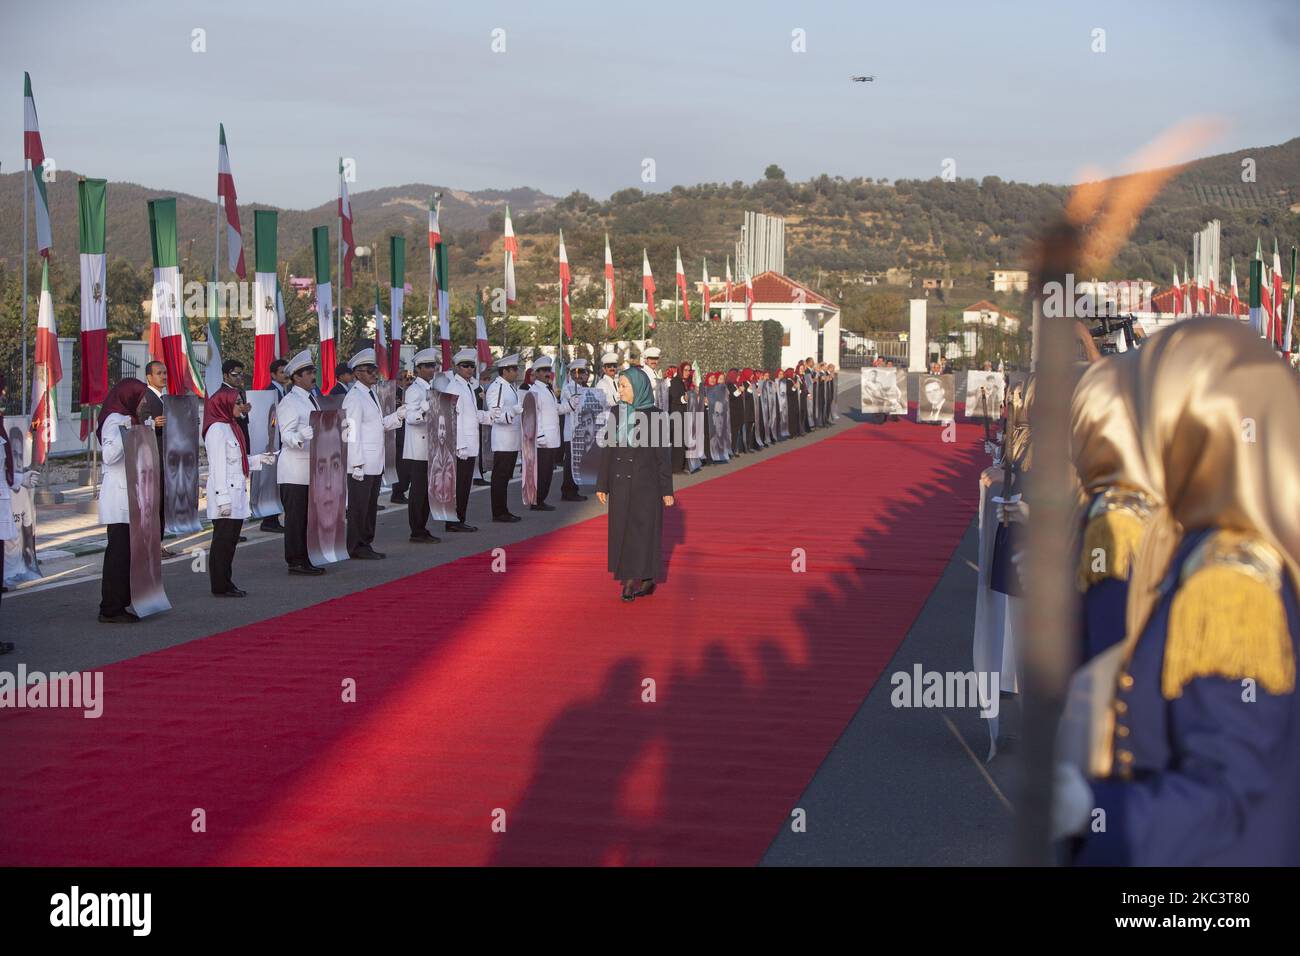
[1114, 527]
[1228, 619]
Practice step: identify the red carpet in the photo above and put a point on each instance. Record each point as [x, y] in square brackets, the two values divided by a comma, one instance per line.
[529, 702]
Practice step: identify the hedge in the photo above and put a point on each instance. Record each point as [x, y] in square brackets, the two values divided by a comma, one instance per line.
[718, 346]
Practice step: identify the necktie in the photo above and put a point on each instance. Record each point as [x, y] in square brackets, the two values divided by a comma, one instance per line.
[376, 398]
[314, 403]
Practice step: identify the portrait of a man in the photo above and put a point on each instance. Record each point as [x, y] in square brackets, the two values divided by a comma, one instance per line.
[142, 469]
[719, 423]
[327, 490]
[984, 394]
[528, 448]
[263, 436]
[583, 446]
[442, 457]
[180, 454]
[936, 400]
[20, 552]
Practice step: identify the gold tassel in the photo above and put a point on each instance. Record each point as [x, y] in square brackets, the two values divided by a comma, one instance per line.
[1117, 533]
[1227, 623]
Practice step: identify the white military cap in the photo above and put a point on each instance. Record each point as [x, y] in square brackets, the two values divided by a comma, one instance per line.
[541, 363]
[426, 357]
[464, 355]
[299, 362]
[364, 357]
[577, 364]
[651, 352]
[506, 361]
[609, 358]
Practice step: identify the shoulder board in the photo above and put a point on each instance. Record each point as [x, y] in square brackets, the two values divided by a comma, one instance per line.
[1116, 520]
[1228, 619]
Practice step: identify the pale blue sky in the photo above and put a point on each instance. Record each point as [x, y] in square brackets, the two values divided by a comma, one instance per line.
[585, 90]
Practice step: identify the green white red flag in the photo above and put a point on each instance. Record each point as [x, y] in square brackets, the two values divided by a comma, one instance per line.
[610, 307]
[444, 303]
[566, 278]
[320, 243]
[1278, 298]
[266, 285]
[48, 374]
[169, 337]
[749, 298]
[396, 299]
[345, 228]
[381, 337]
[512, 251]
[681, 285]
[92, 195]
[435, 231]
[34, 153]
[648, 284]
[226, 195]
[705, 277]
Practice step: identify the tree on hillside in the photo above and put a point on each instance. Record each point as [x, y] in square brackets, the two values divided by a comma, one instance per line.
[774, 172]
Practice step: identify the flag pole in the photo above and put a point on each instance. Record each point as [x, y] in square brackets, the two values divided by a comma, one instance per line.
[26, 166]
[431, 257]
[338, 302]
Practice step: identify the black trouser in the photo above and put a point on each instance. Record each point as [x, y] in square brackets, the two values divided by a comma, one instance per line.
[363, 504]
[403, 484]
[273, 521]
[294, 499]
[568, 486]
[545, 468]
[115, 586]
[417, 498]
[464, 481]
[225, 535]
[503, 469]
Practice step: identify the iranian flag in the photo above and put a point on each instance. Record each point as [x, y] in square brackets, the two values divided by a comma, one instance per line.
[381, 339]
[444, 303]
[212, 377]
[681, 285]
[226, 196]
[92, 195]
[565, 279]
[345, 228]
[1178, 293]
[435, 231]
[1232, 284]
[320, 244]
[728, 287]
[34, 153]
[48, 374]
[1187, 290]
[648, 284]
[281, 326]
[266, 284]
[396, 299]
[1277, 296]
[1257, 319]
[481, 339]
[169, 337]
[705, 287]
[610, 308]
[512, 250]
[749, 298]
[1290, 312]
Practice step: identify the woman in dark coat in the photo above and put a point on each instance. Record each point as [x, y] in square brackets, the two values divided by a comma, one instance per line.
[680, 385]
[747, 403]
[736, 407]
[636, 481]
[792, 403]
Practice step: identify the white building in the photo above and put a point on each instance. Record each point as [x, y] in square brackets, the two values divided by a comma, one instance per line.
[1009, 280]
[981, 317]
[803, 314]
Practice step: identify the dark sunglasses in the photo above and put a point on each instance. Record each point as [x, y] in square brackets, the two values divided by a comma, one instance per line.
[464, 364]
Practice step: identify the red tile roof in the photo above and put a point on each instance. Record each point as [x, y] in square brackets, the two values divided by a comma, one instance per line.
[774, 287]
[982, 305]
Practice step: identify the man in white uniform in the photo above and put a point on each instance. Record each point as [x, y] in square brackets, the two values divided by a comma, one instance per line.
[608, 384]
[504, 405]
[364, 431]
[549, 428]
[415, 449]
[571, 393]
[468, 419]
[650, 365]
[293, 471]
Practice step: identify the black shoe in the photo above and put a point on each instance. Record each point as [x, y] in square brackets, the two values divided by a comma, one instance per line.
[126, 617]
[460, 526]
[425, 538]
[233, 592]
[646, 590]
[6, 647]
[366, 554]
[542, 507]
[629, 591]
[305, 568]
[397, 500]
[573, 497]
[272, 526]
[508, 518]
[242, 539]
[481, 482]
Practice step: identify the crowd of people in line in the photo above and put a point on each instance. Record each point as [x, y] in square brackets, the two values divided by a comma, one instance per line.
[1179, 741]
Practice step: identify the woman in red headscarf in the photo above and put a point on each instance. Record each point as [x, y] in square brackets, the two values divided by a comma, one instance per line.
[228, 467]
[792, 389]
[119, 411]
[681, 382]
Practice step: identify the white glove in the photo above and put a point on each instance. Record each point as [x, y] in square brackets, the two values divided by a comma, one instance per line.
[1013, 511]
[424, 405]
[31, 478]
[358, 473]
[988, 448]
[462, 452]
[224, 512]
[307, 433]
[1071, 801]
[267, 457]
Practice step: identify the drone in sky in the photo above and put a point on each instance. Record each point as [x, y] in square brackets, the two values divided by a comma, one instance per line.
[863, 79]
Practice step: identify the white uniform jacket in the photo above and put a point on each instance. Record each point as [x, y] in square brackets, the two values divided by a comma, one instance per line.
[293, 422]
[113, 507]
[9, 530]
[549, 413]
[415, 446]
[468, 417]
[227, 483]
[608, 388]
[505, 404]
[364, 429]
